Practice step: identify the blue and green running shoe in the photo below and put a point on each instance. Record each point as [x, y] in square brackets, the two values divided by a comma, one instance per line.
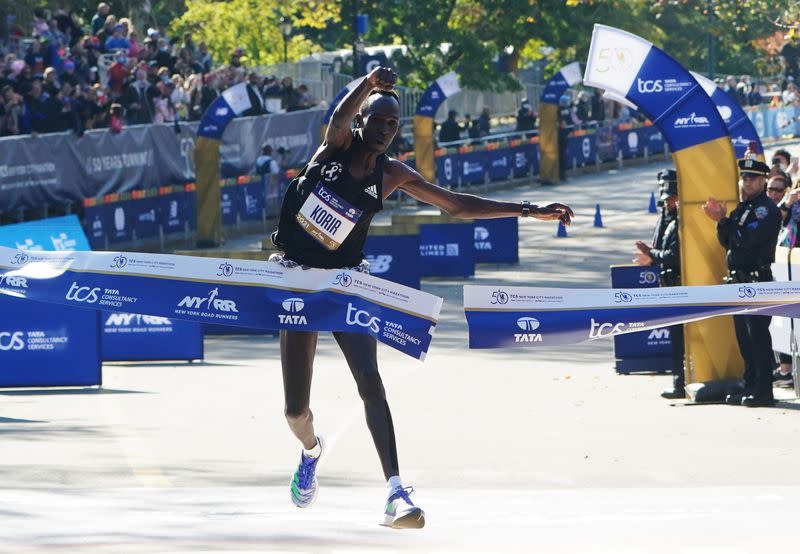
[303, 487]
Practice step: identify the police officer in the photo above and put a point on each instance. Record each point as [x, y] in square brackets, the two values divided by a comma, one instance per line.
[565, 125]
[665, 252]
[750, 234]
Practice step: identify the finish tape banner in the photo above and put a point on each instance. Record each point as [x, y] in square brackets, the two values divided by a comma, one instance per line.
[502, 317]
[231, 292]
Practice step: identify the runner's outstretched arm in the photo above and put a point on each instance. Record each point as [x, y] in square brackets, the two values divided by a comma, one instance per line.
[398, 176]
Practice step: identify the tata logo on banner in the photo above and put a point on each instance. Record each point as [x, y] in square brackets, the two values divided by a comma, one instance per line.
[11, 340]
[293, 306]
[528, 324]
[692, 121]
[211, 302]
[648, 86]
[362, 318]
[482, 239]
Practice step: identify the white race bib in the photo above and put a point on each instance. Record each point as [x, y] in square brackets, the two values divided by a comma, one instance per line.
[327, 217]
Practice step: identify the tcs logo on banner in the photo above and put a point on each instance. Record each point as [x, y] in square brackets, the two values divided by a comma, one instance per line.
[362, 318]
[647, 86]
[11, 340]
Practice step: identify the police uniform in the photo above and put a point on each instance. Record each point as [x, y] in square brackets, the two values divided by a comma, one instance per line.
[564, 127]
[666, 253]
[750, 234]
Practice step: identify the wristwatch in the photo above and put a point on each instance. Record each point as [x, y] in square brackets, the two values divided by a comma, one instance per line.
[526, 208]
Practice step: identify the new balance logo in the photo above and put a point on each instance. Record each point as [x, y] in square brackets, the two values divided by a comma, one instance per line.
[372, 190]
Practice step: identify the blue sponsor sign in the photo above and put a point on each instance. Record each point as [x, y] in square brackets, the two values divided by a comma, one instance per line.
[473, 166]
[230, 203]
[132, 337]
[394, 258]
[176, 210]
[499, 162]
[431, 99]
[45, 345]
[447, 249]
[447, 169]
[96, 224]
[55, 233]
[556, 86]
[252, 200]
[120, 221]
[145, 215]
[521, 161]
[216, 118]
[581, 150]
[648, 350]
[497, 240]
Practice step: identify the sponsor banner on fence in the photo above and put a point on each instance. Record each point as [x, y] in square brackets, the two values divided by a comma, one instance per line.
[230, 292]
[394, 258]
[501, 317]
[55, 233]
[497, 240]
[128, 336]
[447, 249]
[144, 156]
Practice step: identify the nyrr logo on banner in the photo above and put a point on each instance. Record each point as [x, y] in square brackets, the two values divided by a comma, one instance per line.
[211, 302]
[13, 281]
[692, 121]
[293, 306]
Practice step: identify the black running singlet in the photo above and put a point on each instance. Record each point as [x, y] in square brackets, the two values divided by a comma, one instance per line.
[326, 212]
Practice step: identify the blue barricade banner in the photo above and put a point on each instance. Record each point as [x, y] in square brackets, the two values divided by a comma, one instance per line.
[230, 203]
[447, 170]
[252, 201]
[120, 223]
[145, 215]
[649, 350]
[771, 123]
[44, 345]
[394, 258]
[132, 337]
[231, 292]
[497, 240]
[581, 150]
[55, 233]
[177, 209]
[472, 167]
[499, 164]
[447, 249]
[500, 317]
[521, 161]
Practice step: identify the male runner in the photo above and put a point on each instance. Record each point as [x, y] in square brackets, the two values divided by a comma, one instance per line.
[350, 170]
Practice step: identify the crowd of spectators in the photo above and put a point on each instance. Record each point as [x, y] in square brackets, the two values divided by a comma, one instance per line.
[55, 79]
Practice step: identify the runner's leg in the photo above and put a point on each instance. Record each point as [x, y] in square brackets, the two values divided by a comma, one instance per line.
[361, 354]
[297, 361]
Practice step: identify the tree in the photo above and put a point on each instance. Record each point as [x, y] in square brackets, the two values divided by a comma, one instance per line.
[254, 25]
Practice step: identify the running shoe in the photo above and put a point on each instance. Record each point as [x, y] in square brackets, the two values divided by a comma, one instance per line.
[782, 379]
[303, 487]
[400, 512]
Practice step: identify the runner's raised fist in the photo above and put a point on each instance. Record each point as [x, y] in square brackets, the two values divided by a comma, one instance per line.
[382, 78]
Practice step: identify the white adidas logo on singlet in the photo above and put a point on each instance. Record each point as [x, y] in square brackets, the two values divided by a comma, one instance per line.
[372, 190]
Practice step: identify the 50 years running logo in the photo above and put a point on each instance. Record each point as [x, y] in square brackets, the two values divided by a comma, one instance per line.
[225, 270]
[622, 297]
[499, 297]
[20, 259]
[343, 279]
[747, 292]
[119, 262]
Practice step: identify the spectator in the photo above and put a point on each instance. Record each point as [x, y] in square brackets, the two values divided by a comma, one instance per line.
[135, 48]
[289, 96]
[115, 118]
[790, 96]
[99, 18]
[10, 111]
[754, 97]
[67, 23]
[40, 112]
[236, 58]
[139, 99]
[583, 107]
[98, 107]
[118, 75]
[40, 26]
[450, 130]
[485, 123]
[180, 98]
[283, 158]
[106, 32]
[51, 85]
[162, 104]
[790, 55]
[304, 98]
[36, 58]
[163, 58]
[474, 131]
[254, 94]
[730, 88]
[526, 120]
[117, 41]
[204, 96]
[203, 57]
[266, 164]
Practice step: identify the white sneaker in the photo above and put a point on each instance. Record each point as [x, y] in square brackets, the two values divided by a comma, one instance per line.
[303, 486]
[400, 512]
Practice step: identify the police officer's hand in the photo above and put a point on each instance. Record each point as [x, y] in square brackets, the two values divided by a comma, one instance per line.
[553, 211]
[643, 259]
[715, 209]
[643, 248]
[382, 78]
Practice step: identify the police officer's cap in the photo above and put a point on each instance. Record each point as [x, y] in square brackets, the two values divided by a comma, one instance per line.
[753, 167]
[667, 176]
